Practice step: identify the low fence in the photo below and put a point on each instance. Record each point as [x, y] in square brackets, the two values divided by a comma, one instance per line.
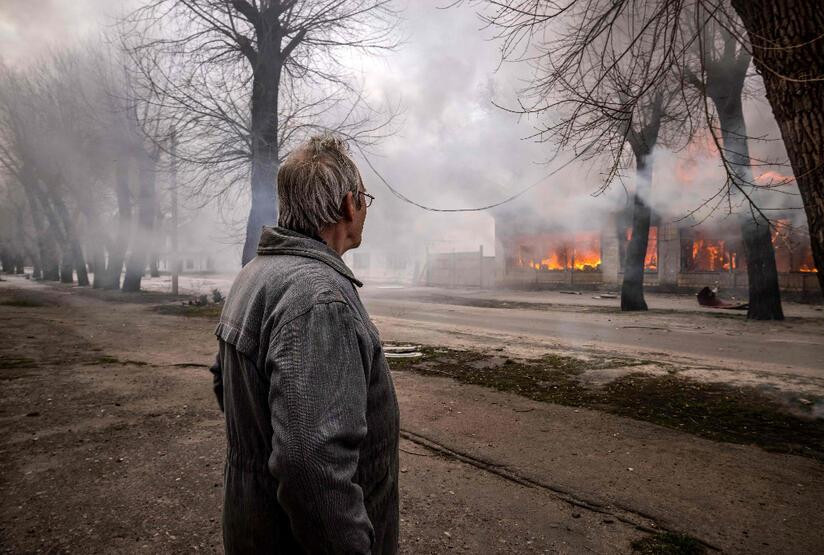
[801, 282]
[531, 278]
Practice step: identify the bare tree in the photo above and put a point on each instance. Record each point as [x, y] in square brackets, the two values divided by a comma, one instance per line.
[117, 140]
[238, 78]
[21, 129]
[642, 139]
[723, 70]
[146, 152]
[65, 145]
[613, 117]
[127, 157]
[63, 171]
[784, 36]
[14, 233]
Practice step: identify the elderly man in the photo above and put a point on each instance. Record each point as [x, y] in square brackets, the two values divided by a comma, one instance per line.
[311, 413]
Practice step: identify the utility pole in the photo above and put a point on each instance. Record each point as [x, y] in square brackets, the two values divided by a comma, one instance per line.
[173, 176]
[481, 266]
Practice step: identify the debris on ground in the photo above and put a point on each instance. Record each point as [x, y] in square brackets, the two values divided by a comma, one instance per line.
[708, 297]
[570, 292]
[402, 351]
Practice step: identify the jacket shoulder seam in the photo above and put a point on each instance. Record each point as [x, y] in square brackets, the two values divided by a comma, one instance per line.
[309, 309]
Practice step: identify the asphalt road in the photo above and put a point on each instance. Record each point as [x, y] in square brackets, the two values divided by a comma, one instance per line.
[795, 346]
[675, 326]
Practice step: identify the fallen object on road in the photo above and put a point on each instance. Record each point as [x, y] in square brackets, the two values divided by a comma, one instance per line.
[402, 351]
[403, 355]
[707, 297]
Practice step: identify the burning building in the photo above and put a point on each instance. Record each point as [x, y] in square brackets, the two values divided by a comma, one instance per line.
[530, 253]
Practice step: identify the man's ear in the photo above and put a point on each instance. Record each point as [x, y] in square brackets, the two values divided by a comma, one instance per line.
[348, 207]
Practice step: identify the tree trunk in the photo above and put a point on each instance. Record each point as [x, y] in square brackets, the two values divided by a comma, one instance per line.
[18, 244]
[30, 249]
[50, 255]
[45, 244]
[124, 224]
[154, 269]
[147, 207]
[66, 265]
[762, 274]
[62, 224]
[96, 263]
[51, 270]
[788, 52]
[21, 244]
[98, 267]
[632, 288]
[37, 269]
[265, 86]
[7, 260]
[74, 248]
[158, 242]
[765, 300]
[80, 264]
[51, 266]
[57, 247]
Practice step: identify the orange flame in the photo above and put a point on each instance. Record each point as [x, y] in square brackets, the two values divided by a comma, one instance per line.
[562, 252]
[792, 249]
[774, 179]
[709, 255]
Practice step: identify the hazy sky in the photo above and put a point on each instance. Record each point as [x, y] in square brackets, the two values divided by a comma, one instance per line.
[30, 27]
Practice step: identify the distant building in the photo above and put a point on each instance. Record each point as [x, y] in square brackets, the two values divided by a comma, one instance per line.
[679, 255]
[536, 254]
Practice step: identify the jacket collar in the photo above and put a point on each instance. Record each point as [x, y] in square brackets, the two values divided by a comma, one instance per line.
[281, 241]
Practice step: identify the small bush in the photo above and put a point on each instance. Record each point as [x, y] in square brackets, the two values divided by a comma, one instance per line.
[217, 296]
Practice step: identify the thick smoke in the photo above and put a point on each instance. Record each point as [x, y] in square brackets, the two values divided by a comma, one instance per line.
[455, 148]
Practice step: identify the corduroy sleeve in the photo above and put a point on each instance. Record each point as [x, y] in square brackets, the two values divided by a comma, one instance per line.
[318, 404]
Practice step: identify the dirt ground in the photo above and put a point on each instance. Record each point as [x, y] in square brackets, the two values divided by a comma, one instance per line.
[112, 442]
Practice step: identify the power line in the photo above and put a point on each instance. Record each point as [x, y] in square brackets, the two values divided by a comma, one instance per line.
[478, 209]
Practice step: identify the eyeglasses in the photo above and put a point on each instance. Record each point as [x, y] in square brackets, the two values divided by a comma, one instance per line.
[368, 198]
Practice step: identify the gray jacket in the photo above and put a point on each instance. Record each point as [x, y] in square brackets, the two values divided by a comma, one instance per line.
[311, 413]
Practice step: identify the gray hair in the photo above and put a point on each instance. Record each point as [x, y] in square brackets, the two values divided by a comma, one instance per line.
[312, 182]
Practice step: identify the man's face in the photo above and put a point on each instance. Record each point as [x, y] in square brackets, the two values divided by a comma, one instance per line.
[360, 218]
